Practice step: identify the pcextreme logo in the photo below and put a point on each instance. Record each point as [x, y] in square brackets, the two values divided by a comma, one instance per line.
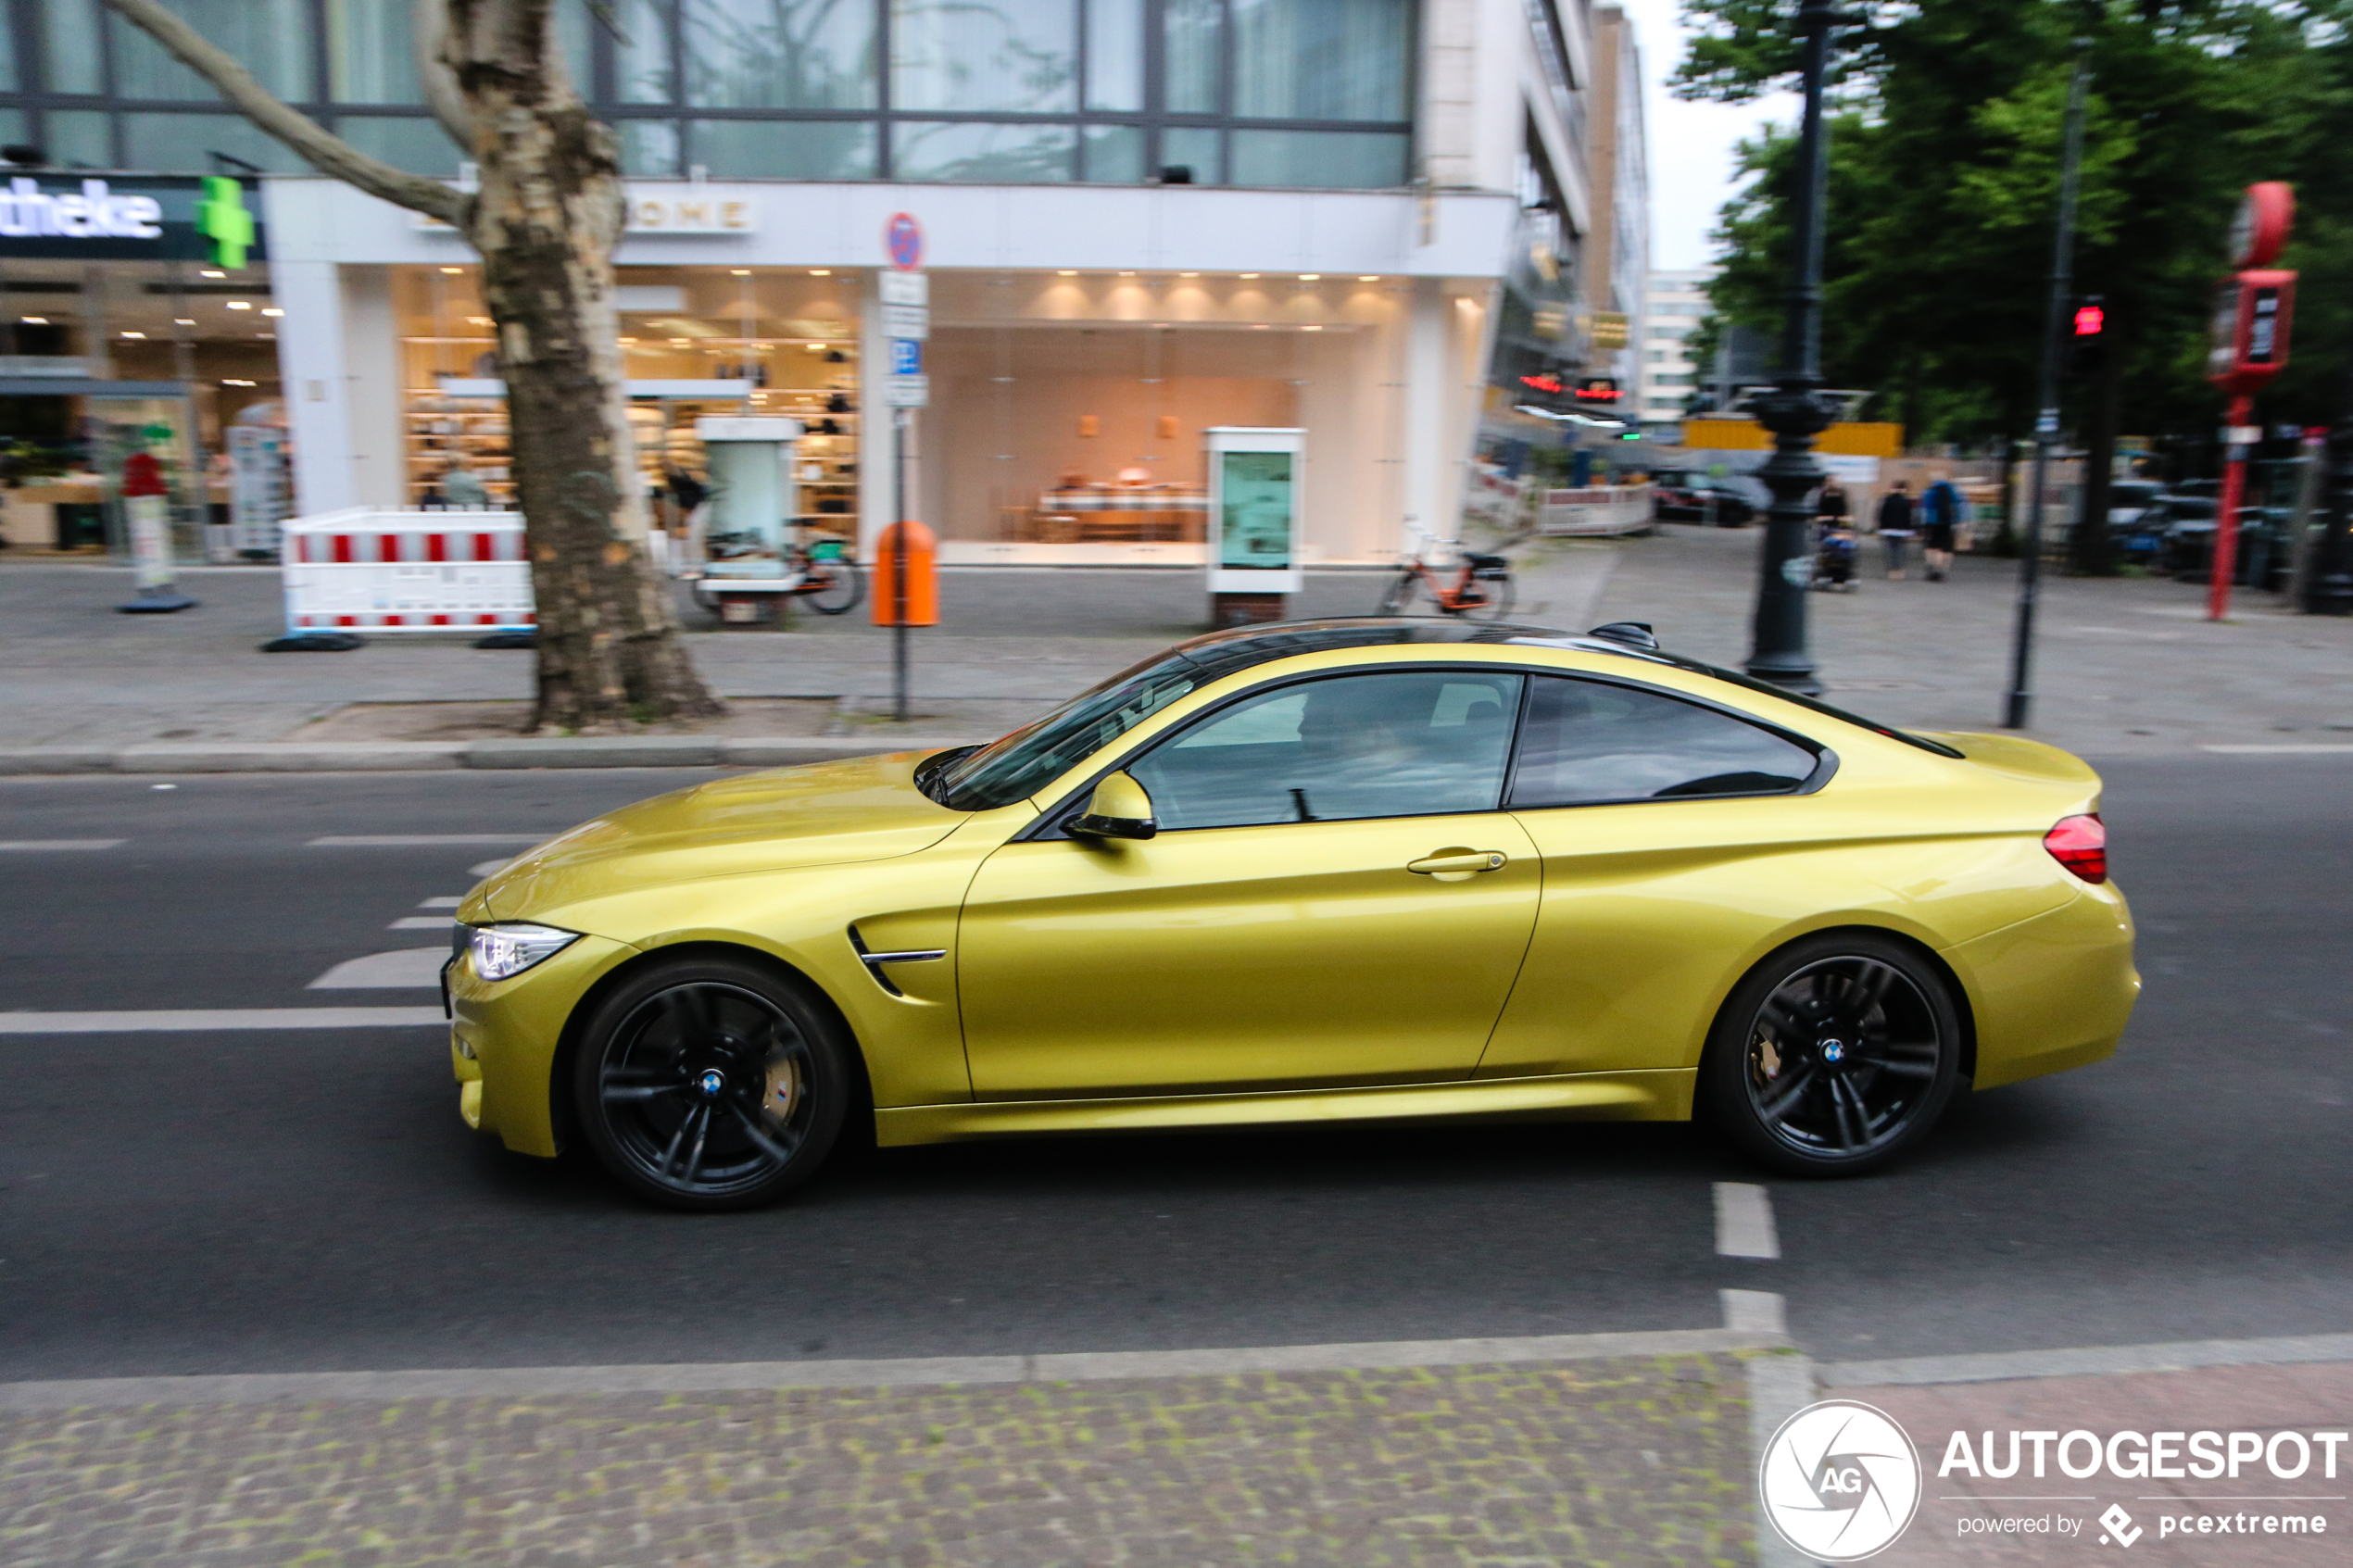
[1840, 1481]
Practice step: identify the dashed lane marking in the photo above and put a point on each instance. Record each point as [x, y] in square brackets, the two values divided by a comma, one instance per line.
[206, 1020]
[43, 845]
[424, 922]
[2282, 748]
[410, 968]
[397, 840]
[1745, 1222]
[484, 868]
[449, 901]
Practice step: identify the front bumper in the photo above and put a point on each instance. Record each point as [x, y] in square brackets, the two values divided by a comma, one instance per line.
[504, 1036]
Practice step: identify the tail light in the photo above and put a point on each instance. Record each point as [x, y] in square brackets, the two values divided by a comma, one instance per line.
[2080, 844]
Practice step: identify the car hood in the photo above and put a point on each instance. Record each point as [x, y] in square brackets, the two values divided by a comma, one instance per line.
[825, 813]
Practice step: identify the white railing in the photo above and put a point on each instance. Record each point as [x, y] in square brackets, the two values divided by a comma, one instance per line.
[370, 570]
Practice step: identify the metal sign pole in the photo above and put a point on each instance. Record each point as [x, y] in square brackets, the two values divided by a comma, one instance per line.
[902, 420]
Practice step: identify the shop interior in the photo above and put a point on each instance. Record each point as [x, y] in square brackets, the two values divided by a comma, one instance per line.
[695, 342]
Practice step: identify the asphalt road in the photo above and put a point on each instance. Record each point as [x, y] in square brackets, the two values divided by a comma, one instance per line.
[291, 1200]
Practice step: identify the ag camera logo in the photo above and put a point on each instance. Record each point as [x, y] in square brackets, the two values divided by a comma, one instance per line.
[1840, 1481]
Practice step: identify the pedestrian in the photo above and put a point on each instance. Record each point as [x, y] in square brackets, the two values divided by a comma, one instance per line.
[1829, 507]
[1895, 527]
[1941, 511]
[462, 488]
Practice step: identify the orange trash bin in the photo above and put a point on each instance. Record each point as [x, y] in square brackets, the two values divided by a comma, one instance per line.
[922, 576]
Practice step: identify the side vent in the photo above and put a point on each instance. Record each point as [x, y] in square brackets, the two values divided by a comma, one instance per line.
[874, 961]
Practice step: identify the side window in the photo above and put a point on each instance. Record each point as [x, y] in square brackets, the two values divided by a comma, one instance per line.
[1585, 742]
[1394, 743]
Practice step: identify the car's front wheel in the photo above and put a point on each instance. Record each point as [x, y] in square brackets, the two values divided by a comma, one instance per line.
[711, 1083]
[1834, 1056]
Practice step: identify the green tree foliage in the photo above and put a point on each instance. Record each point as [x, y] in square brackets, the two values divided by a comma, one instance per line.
[1944, 150]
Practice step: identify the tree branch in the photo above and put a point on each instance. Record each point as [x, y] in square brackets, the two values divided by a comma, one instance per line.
[330, 153]
[440, 84]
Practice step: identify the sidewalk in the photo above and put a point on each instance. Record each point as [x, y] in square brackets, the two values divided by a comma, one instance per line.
[2123, 666]
[1627, 1460]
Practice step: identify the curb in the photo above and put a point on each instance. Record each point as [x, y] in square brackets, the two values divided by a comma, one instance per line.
[409, 756]
[729, 1376]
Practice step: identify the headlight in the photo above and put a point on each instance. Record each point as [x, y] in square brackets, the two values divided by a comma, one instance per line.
[503, 951]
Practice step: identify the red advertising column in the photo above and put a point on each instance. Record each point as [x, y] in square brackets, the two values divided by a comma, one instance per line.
[2252, 311]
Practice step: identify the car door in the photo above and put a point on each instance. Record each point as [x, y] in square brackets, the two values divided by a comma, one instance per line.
[1334, 897]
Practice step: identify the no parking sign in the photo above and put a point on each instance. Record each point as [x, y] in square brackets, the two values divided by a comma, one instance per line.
[903, 238]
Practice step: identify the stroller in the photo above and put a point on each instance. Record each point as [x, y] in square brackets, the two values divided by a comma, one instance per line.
[1834, 559]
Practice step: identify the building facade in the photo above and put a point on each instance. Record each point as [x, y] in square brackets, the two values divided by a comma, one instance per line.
[1676, 302]
[1365, 219]
[1619, 269]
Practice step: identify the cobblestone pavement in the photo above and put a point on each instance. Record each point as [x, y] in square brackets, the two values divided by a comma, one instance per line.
[1620, 1462]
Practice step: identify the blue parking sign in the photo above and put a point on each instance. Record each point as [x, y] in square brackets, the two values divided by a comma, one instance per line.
[906, 357]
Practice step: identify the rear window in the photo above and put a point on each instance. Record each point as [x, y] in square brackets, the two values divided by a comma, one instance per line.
[1586, 742]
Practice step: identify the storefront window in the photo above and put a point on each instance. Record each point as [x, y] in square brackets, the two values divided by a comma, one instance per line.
[1194, 148]
[641, 53]
[7, 60]
[995, 154]
[71, 36]
[1116, 54]
[1321, 59]
[78, 138]
[418, 146]
[947, 55]
[270, 38]
[1190, 34]
[1114, 155]
[780, 54]
[371, 55]
[825, 149]
[1327, 159]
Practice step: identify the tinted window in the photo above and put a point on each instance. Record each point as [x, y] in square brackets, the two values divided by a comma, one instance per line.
[1398, 744]
[1586, 741]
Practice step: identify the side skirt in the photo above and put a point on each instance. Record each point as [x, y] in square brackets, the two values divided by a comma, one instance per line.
[1662, 1094]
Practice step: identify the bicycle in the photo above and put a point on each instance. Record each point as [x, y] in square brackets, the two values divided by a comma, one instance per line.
[1480, 591]
[830, 583]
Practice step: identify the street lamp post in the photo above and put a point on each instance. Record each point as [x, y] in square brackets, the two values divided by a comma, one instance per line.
[1796, 411]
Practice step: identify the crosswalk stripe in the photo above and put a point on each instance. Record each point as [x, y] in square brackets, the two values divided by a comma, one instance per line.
[48, 843]
[188, 1020]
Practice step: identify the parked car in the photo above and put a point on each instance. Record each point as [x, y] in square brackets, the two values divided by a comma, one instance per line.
[2263, 557]
[2136, 518]
[1685, 496]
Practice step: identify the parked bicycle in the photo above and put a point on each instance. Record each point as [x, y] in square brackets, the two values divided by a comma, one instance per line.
[822, 573]
[1480, 589]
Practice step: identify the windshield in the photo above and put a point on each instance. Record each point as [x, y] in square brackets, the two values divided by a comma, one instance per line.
[1034, 755]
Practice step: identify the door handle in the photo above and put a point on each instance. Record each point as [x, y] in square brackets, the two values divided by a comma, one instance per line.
[1457, 865]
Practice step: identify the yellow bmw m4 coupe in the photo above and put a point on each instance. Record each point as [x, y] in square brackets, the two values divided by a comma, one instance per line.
[1325, 871]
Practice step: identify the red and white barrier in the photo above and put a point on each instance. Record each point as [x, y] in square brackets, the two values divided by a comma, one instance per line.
[367, 571]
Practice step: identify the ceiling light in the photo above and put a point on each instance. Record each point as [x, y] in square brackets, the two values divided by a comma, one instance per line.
[1311, 328]
[1258, 326]
[629, 340]
[453, 272]
[241, 305]
[1128, 274]
[821, 271]
[739, 271]
[271, 336]
[1368, 277]
[34, 321]
[184, 320]
[212, 272]
[271, 310]
[484, 320]
[1249, 274]
[1188, 274]
[232, 381]
[682, 342]
[134, 334]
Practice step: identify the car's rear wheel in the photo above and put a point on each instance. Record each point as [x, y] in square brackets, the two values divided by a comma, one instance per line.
[711, 1083]
[1834, 1056]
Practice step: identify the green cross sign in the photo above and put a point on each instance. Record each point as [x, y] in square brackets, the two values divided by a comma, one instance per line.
[222, 219]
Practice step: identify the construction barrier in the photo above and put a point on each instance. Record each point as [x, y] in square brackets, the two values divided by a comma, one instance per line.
[1603, 510]
[368, 571]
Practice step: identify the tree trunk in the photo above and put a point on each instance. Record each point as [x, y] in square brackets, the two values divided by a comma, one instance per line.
[545, 221]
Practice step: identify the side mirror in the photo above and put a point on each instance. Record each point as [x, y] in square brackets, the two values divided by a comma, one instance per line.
[1120, 809]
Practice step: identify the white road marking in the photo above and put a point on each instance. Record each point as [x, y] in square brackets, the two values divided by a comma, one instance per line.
[449, 901]
[1745, 1222]
[484, 868]
[1755, 1311]
[393, 840]
[45, 844]
[423, 922]
[419, 967]
[2284, 748]
[203, 1019]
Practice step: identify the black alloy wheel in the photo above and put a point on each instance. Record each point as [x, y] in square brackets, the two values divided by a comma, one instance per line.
[710, 1084]
[1834, 1056]
[834, 587]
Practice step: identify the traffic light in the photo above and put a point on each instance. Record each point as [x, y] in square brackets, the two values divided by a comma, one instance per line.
[2087, 337]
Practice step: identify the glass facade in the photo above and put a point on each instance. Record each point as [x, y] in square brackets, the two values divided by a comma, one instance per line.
[1266, 93]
